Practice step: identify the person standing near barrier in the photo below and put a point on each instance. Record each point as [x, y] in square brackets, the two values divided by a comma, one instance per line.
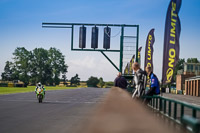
[154, 83]
[120, 81]
[139, 81]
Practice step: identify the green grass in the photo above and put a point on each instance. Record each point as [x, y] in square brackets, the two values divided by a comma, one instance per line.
[10, 90]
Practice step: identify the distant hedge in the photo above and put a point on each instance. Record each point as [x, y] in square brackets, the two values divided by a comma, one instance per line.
[3, 84]
[109, 84]
[19, 85]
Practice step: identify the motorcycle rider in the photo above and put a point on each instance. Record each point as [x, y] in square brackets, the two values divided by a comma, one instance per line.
[39, 85]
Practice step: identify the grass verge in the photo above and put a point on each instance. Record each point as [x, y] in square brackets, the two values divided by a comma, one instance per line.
[10, 90]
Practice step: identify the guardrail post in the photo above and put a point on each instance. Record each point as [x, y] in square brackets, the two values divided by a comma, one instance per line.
[156, 103]
[175, 110]
[193, 123]
[160, 107]
[150, 102]
[153, 102]
[169, 109]
[194, 113]
[196, 129]
[164, 106]
[182, 110]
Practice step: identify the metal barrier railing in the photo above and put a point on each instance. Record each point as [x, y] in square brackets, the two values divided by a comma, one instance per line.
[164, 105]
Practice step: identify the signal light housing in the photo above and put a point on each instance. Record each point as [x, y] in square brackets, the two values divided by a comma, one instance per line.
[94, 41]
[82, 37]
[106, 40]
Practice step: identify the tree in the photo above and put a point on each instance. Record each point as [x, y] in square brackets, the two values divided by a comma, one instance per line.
[179, 66]
[15, 72]
[22, 64]
[57, 62]
[92, 81]
[39, 65]
[47, 66]
[64, 77]
[101, 82]
[192, 60]
[75, 80]
[7, 74]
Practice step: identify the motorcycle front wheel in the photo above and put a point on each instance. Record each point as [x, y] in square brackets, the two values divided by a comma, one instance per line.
[40, 99]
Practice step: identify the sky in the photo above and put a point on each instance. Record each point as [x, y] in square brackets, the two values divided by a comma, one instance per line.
[21, 26]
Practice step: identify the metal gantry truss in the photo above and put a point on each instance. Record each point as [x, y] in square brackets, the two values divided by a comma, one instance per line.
[123, 50]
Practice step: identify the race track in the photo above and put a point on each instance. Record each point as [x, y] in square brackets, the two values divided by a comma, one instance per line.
[61, 112]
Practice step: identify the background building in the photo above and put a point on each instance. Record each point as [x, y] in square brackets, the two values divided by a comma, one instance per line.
[190, 70]
[192, 86]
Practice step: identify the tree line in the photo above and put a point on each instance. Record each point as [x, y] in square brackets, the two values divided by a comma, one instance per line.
[38, 65]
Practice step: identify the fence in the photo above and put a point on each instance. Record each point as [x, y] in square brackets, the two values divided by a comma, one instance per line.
[183, 113]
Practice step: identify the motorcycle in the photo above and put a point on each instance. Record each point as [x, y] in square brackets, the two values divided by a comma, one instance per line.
[40, 94]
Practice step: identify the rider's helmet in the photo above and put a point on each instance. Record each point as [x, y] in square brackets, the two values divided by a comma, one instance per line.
[39, 84]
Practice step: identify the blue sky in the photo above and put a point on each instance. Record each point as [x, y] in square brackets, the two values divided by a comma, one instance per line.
[20, 26]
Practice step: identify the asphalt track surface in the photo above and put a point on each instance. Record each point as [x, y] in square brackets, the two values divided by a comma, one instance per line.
[184, 98]
[61, 112]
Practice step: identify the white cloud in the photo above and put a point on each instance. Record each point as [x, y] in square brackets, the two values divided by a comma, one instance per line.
[90, 66]
[87, 62]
